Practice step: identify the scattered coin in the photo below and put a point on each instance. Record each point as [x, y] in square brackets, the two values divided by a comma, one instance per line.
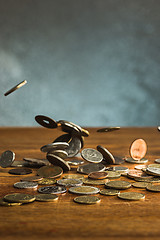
[153, 188]
[54, 146]
[46, 197]
[73, 176]
[91, 167]
[138, 149]
[118, 184]
[74, 146]
[50, 171]
[84, 190]
[137, 173]
[24, 185]
[52, 190]
[113, 174]
[60, 153]
[109, 192]
[140, 184]
[98, 175]
[20, 171]
[149, 180]
[19, 198]
[87, 199]
[107, 156]
[47, 181]
[153, 171]
[95, 181]
[108, 129]
[7, 158]
[118, 160]
[75, 162]
[131, 160]
[7, 204]
[31, 179]
[69, 182]
[131, 196]
[91, 155]
[140, 167]
[118, 169]
[157, 160]
[153, 166]
[46, 121]
[55, 160]
[40, 162]
[16, 87]
[22, 163]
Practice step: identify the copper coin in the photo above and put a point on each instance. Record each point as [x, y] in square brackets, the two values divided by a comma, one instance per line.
[138, 149]
[46, 121]
[98, 175]
[138, 174]
[50, 171]
[20, 171]
[31, 179]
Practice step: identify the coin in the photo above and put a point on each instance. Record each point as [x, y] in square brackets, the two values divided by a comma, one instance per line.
[138, 149]
[46, 121]
[55, 160]
[91, 155]
[69, 182]
[140, 167]
[75, 162]
[16, 87]
[153, 171]
[84, 190]
[118, 184]
[95, 181]
[40, 162]
[69, 127]
[108, 129]
[158, 128]
[109, 192]
[74, 146]
[24, 185]
[118, 160]
[60, 153]
[118, 169]
[63, 138]
[20, 171]
[52, 190]
[157, 160]
[19, 197]
[87, 199]
[153, 188]
[140, 184]
[31, 179]
[84, 132]
[7, 204]
[113, 174]
[131, 160]
[54, 146]
[19, 163]
[149, 180]
[46, 197]
[7, 158]
[73, 176]
[107, 156]
[47, 181]
[98, 175]
[131, 196]
[153, 166]
[91, 167]
[50, 171]
[137, 173]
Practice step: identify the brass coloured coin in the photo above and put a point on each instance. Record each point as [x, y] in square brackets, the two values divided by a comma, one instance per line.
[118, 184]
[46, 197]
[7, 204]
[7, 158]
[140, 184]
[19, 85]
[47, 181]
[118, 169]
[73, 176]
[138, 149]
[70, 182]
[113, 174]
[19, 197]
[98, 175]
[153, 188]
[20, 171]
[149, 180]
[109, 192]
[95, 181]
[135, 196]
[91, 155]
[84, 190]
[50, 171]
[87, 199]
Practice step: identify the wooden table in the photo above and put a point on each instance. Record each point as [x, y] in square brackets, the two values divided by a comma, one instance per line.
[112, 218]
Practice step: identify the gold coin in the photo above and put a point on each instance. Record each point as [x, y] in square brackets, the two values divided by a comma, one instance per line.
[70, 182]
[87, 199]
[109, 192]
[46, 197]
[118, 184]
[16, 87]
[50, 171]
[84, 190]
[138, 149]
[47, 181]
[140, 184]
[73, 176]
[113, 174]
[19, 198]
[7, 204]
[153, 188]
[95, 181]
[131, 196]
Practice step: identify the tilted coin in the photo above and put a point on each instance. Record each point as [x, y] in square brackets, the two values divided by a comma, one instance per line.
[63, 138]
[40, 162]
[84, 132]
[7, 204]
[109, 192]
[74, 146]
[24, 185]
[91, 155]
[118, 169]
[47, 181]
[91, 167]
[75, 162]
[21, 163]
[95, 181]
[87, 199]
[157, 160]
[73, 176]
[113, 174]
[60, 153]
[108, 129]
[153, 188]
[69, 127]
[46, 121]
[84, 190]
[137, 173]
[138, 149]
[7, 158]
[50, 171]
[158, 128]
[131, 196]
[19, 85]
[52, 190]
[118, 160]
[140, 184]
[107, 156]
[20, 171]
[55, 160]
[46, 197]
[98, 175]
[140, 167]
[19, 197]
[54, 146]
[31, 179]
[153, 171]
[70, 182]
[118, 184]
[131, 160]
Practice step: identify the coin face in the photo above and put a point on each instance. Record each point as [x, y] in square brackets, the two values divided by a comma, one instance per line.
[55, 160]
[84, 190]
[19, 85]
[70, 182]
[131, 196]
[50, 171]
[138, 149]
[108, 129]
[19, 197]
[46, 197]
[107, 156]
[74, 146]
[131, 160]
[46, 121]
[140, 184]
[52, 190]
[91, 167]
[54, 146]
[98, 175]
[113, 174]
[47, 181]
[20, 171]
[118, 185]
[7, 158]
[87, 199]
[95, 181]
[109, 192]
[75, 162]
[73, 176]
[91, 155]
[153, 188]
[24, 185]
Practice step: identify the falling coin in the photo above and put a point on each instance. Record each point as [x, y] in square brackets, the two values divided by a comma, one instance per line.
[108, 129]
[19, 197]
[107, 156]
[131, 196]
[46, 197]
[98, 175]
[91, 167]
[84, 190]
[55, 160]
[95, 181]
[46, 121]
[118, 185]
[20, 171]
[50, 171]
[109, 192]
[140, 184]
[7, 158]
[16, 87]
[153, 188]
[74, 146]
[138, 149]
[60, 153]
[140, 167]
[54, 146]
[70, 182]
[52, 190]
[87, 199]
[91, 155]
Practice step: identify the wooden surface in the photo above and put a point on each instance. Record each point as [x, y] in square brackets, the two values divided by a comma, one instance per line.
[112, 218]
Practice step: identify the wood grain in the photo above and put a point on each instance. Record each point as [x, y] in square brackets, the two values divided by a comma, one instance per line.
[112, 218]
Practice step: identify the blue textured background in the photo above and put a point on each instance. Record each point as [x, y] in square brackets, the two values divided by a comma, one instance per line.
[92, 62]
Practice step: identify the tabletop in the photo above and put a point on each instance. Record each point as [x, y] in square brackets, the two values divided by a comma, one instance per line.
[111, 218]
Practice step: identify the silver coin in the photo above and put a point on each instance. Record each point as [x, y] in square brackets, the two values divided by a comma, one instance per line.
[74, 146]
[60, 153]
[154, 165]
[140, 167]
[84, 190]
[52, 189]
[75, 162]
[70, 182]
[91, 167]
[118, 169]
[153, 171]
[131, 160]
[7, 158]
[24, 185]
[91, 155]
[158, 128]
[54, 146]
[55, 160]
[113, 174]
[157, 160]
[40, 162]
[107, 156]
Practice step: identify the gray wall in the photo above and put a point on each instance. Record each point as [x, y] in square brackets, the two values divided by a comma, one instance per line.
[92, 62]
